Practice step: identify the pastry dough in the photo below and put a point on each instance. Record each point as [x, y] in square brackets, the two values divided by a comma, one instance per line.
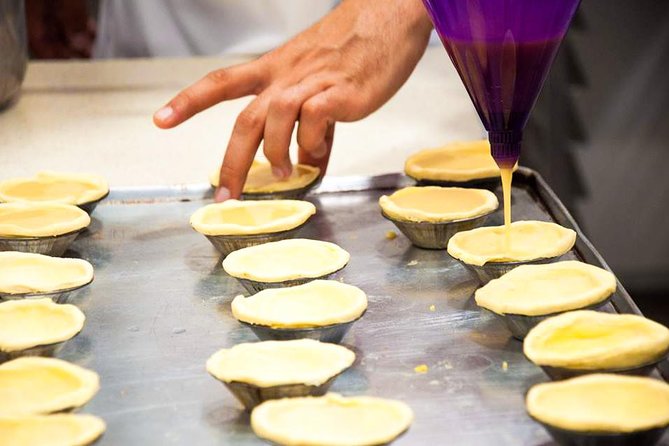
[51, 430]
[535, 290]
[35, 385]
[22, 272]
[601, 403]
[235, 217]
[34, 219]
[529, 240]
[331, 420]
[592, 340]
[438, 204]
[286, 260]
[31, 322]
[314, 304]
[275, 363]
[67, 188]
[261, 180]
[457, 161]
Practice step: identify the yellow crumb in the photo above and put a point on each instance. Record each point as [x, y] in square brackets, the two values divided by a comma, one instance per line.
[423, 368]
[505, 366]
[412, 263]
[391, 235]
[433, 308]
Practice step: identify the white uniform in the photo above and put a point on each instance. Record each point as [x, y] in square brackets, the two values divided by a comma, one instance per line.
[172, 28]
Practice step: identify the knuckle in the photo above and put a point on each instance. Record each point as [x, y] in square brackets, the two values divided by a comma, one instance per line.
[314, 108]
[229, 173]
[183, 101]
[220, 76]
[283, 103]
[249, 119]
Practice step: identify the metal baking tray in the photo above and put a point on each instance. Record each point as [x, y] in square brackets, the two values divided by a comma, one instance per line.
[160, 306]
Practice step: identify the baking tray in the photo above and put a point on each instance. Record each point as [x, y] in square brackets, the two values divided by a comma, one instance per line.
[160, 306]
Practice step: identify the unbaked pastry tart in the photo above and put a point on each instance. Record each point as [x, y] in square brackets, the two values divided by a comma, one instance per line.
[314, 304]
[601, 403]
[274, 363]
[68, 188]
[591, 340]
[454, 162]
[28, 323]
[54, 430]
[234, 217]
[27, 273]
[261, 182]
[529, 240]
[285, 263]
[35, 385]
[534, 290]
[331, 420]
[35, 219]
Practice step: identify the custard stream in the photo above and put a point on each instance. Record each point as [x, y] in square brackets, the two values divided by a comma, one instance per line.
[507, 175]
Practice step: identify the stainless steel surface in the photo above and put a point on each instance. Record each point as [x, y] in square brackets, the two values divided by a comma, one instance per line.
[51, 246]
[225, 244]
[160, 306]
[434, 235]
[13, 49]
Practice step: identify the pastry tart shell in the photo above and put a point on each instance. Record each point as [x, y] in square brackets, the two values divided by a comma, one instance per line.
[70, 429]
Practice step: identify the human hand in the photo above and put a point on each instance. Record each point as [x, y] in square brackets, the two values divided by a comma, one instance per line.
[59, 29]
[342, 68]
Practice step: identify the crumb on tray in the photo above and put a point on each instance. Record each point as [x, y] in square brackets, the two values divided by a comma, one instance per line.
[412, 263]
[433, 307]
[391, 235]
[423, 368]
[505, 366]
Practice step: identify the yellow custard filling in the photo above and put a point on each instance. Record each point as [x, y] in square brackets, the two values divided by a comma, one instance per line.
[438, 204]
[67, 188]
[314, 304]
[29, 323]
[22, 272]
[286, 260]
[528, 240]
[534, 290]
[273, 363]
[261, 180]
[35, 385]
[57, 430]
[593, 340]
[601, 403]
[235, 217]
[34, 219]
[456, 161]
[331, 420]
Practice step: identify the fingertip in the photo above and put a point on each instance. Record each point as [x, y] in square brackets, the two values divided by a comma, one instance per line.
[221, 194]
[282, 172]
[165, 117]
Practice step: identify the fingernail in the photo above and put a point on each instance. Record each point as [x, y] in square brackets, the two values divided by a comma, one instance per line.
[164, 113]
[221, 194]
[279, 172]
[320, 151]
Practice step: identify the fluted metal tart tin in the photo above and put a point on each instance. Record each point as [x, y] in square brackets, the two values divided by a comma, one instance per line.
[90, 206]
[519, 324]
[495, 270]
[489, 183]
[290, 194]
[254, 286]
[49, 245]
[565, 437]
[559, 373]
[226, 244]
[332, 333]
[38, 350]
[430, 235]
[251, 395]
[58, 296]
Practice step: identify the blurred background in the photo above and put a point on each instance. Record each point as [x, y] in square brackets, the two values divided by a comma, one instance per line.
[599, 133]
